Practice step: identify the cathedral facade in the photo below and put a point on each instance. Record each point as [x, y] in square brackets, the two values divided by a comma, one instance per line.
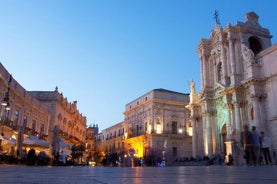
[238, 87]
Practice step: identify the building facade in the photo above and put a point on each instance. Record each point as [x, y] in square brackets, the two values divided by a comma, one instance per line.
[238, 87]
[43, 120]
[155, 126]
[24, 119]
[90, 143]
[66, 124]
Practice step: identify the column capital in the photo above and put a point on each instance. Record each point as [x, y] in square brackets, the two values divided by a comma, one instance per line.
[258, 96]
[231, 106]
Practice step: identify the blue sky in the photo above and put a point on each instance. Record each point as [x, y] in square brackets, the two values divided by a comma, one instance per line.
[106, 53]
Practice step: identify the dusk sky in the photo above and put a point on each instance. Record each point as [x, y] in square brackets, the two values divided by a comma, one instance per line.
[106, 53]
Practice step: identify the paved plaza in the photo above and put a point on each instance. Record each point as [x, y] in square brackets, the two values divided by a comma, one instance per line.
[138, 175]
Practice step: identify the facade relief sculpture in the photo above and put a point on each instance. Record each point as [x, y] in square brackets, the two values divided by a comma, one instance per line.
[247, 54]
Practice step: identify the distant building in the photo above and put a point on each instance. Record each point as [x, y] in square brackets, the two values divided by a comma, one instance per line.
[65, 116]
[43, 120]
[156, 126]
[90, 142]
[238, 87]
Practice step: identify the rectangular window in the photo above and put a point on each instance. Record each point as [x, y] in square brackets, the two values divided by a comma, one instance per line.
[15, 118]
[174, 127]
[34, 125]
[174, 151]
[7, 114]
[25, 121]
[42, 129]
[137, 130]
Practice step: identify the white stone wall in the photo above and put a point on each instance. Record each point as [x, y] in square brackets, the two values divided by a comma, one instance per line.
[269, 66]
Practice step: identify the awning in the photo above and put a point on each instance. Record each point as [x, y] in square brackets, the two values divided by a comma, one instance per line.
[6, 141]
[34, 141]
[64, 144]
[66, 152]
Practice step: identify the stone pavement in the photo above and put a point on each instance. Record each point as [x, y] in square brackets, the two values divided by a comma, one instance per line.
[138, 175]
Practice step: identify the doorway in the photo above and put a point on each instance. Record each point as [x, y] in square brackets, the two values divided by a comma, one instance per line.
[223, 138]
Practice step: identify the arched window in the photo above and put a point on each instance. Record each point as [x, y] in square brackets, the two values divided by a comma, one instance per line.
[255, 45]
[252, 113]
[219, 71]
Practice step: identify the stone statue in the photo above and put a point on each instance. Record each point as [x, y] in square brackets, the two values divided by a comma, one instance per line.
[192, 87]
[247, 54]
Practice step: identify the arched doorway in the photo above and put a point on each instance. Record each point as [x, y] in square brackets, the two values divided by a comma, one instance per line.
[223, 138]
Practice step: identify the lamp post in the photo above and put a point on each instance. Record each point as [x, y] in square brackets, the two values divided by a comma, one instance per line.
[5, 103]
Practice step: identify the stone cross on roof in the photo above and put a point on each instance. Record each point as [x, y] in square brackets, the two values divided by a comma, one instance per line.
[216, 17]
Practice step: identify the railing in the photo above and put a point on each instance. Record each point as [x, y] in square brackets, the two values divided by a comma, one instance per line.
[8, 123]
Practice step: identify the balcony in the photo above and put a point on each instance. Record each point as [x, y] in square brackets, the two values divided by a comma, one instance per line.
[8, 123]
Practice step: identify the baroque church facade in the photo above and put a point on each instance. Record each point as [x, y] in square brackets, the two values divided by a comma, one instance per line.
[238, 87]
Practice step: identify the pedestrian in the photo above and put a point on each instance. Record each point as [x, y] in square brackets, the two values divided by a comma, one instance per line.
[256, 146]
[265, 145]
[247, 142]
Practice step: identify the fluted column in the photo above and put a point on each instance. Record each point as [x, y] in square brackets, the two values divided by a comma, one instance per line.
[228, 123]
[257, 117]
[202, 74]
[204, 67]
[209, 133]
[237, 121]
[232, 56]
[223, 61]
[194, 138]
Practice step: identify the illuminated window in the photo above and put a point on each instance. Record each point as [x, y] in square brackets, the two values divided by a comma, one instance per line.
[25, 121]
[7, 114]
[149, 129]
[190, 131]
[16, 116]
[159, 128]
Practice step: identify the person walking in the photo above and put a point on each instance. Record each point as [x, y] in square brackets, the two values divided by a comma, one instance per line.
[265, 145]
[256, 146]
[247, 142]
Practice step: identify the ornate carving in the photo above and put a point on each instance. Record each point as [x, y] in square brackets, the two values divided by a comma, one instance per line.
[258, 96]
[247, 54]
[216, 50]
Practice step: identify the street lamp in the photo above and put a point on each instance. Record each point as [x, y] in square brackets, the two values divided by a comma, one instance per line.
[5, 103]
